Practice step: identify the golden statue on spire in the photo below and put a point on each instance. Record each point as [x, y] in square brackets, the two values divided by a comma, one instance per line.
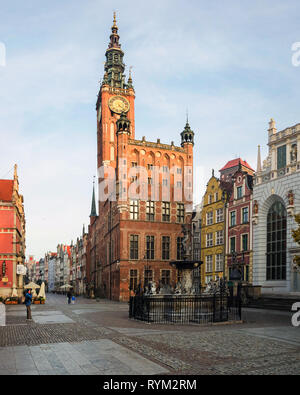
[115, 21]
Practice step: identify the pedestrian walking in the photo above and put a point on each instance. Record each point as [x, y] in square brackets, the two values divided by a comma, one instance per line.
[28, 300]
[69, 295]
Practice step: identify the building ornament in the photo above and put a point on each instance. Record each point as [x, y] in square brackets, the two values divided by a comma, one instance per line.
[290, 207]
[255, 213]
[294, 154]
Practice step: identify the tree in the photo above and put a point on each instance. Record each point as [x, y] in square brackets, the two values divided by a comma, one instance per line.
[296, 237]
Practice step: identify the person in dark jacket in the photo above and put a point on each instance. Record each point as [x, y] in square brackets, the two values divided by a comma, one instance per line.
[69, 295]
[28, 300]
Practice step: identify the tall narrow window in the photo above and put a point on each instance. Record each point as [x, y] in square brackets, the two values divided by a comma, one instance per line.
[180, 212]
[165, 247]
[150, 210]
[150, 247]
[245, 215]
[219, 262]
[166, 211]
[209, 218]
[219, 237]
[133, 279]
[148, 277]
[281, 157]
[239, 192]
[245, 242]
[165, 277]
[134, 209]
[208, 263]
[232, 244]
[232, 218]
[209, 239]
[179, 248]
[276, 242]
[220, 216]
[134, 247]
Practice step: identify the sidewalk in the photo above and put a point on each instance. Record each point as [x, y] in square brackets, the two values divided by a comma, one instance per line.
[98, 338]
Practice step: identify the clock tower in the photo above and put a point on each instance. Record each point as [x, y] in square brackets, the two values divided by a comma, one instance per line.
[115, 97]
[142, 221]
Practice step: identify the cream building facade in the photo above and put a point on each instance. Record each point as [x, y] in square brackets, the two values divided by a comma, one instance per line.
[276, 199]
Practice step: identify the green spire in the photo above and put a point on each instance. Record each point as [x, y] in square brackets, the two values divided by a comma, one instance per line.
[93, 209]
[114, 66]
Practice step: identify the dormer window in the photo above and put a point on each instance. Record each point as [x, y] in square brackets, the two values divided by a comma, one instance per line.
[239, 192]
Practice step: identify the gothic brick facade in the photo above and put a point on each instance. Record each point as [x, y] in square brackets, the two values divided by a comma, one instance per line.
[145, 192]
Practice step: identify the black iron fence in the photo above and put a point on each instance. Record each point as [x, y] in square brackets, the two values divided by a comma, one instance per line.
[198, 309]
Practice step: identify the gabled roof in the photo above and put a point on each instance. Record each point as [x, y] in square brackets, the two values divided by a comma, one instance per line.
[235, 162]
[6, 190]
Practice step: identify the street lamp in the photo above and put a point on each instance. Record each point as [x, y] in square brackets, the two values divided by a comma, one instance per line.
[147, 267]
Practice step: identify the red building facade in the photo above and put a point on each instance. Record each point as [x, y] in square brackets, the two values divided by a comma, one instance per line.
[145, 192]
[239, 224]
[12, 237]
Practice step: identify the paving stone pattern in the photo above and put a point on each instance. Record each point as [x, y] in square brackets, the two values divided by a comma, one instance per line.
[95, 338]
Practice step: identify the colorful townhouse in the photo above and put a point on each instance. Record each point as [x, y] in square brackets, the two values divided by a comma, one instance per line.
[213, 230]
[12, 238]
[239, 225]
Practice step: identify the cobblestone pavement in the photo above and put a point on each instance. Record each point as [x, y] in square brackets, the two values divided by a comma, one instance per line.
[93, 337]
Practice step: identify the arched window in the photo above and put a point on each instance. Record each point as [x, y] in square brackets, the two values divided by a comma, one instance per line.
[276, 242]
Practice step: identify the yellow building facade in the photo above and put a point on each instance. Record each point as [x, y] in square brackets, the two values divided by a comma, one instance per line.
[212, 232]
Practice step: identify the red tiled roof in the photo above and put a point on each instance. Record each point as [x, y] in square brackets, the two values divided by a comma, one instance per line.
[6, 190]
[235, 162]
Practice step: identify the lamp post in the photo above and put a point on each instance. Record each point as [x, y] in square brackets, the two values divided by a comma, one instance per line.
[110, 251]
[146, 269]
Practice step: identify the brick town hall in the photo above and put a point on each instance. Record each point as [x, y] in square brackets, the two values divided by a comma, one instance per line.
[133, 239]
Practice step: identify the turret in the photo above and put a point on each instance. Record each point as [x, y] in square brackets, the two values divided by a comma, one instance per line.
[272, 128]
[187, 136]
[123, 124]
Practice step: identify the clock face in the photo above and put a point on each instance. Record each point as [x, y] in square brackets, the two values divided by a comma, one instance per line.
[118, 104]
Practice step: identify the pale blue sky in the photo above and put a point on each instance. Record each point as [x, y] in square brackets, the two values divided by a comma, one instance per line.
[228, 62]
